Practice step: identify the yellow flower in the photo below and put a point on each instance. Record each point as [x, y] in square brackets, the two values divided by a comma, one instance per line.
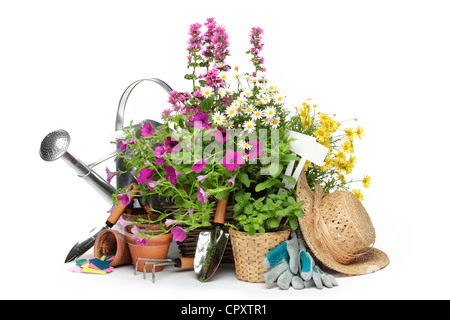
[340, 156]
[347, 146]
[342, 178]
[352, 160]
[350, 134]
[323, 117]
[358, 194]
[359, 132]
[366, 181]
[321, 135]
[334, 125]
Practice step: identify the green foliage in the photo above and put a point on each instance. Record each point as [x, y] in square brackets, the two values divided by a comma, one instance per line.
[265, 214]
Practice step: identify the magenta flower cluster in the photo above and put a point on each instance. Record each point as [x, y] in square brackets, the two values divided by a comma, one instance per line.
[255, 40]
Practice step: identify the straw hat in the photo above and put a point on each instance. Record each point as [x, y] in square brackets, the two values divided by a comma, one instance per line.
[338, 230]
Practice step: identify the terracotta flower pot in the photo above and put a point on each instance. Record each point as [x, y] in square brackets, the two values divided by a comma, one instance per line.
[112, 242]
[135, 213]
[156, 248]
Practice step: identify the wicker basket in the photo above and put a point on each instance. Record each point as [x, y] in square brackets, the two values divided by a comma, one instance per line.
[189, 245]
[249, 252]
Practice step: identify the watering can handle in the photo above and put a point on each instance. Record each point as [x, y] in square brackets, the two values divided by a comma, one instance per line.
[123, 100]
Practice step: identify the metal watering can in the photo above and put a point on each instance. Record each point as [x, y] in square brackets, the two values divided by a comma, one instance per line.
[55, 145]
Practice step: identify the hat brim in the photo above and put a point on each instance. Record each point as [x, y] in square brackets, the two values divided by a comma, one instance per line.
[374, 260]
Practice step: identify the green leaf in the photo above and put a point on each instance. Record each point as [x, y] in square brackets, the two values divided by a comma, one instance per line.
[299, 213]
[273, 223]
[248, 209]
[264, 185]
[290, 179]
[289, 157]
[222, 195]
[293, 221]
[206, 104]
[238, 208]
[243, 177]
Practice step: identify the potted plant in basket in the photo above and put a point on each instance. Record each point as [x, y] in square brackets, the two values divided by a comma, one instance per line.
[225, 139]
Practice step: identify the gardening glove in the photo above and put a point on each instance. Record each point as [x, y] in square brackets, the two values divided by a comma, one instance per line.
[290, 263]
[277, 261]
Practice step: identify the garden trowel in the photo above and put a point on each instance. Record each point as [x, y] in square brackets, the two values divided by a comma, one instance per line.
[88, 242]
[309, 149]
[211, 245]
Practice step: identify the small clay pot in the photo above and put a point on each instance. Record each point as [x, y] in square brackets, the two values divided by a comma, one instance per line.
[156, 248]
[112, 242]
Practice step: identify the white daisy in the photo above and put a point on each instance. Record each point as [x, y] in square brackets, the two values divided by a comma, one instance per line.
[270, 112]
[256, 115]
[244, 145]
[222, 92]
[275, 122]
[247, 93]
[235, 105]
[271, 87]
[207, 91]
[266, 121]
[279, 98]
[240, 100]
[265, 99]
[218, 118]
[229, 124]
[248, 109]
[249, 126]
[231, 112]
[223, 76]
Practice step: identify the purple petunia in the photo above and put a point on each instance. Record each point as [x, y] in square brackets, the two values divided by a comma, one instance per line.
[124, 198]
[232, 160]
[221, 134]
[172, 175]
[201, 120]
[178, 234]
[199, 165]
[147, 129]
[145, 175]
[202, 195]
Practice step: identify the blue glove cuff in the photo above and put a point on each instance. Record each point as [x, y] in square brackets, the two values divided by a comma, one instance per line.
[278, 254]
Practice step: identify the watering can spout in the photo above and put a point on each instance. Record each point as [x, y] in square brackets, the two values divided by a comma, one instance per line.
[55, 146]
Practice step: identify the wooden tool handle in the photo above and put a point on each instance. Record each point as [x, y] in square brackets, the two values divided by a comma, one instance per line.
[185, 263]
[120, 208]
[220, 211]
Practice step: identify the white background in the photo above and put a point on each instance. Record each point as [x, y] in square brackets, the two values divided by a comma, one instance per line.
[65, 64]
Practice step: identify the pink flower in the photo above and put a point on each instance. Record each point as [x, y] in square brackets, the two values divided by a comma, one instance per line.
[110, 175]
[169, 222]
[147, 129]
[142, 242]
[255, 152]
[122, 145]
[202, 195]
[199, 165]
[232, 180]
[172, 175]
[123, 223]
[124, 198]
[178, 234]
[201, 120]
[169, 144]
[152, 185]
[160, 152]
[202, 179]
[232, 160]
[221, 134]
[145, 175]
